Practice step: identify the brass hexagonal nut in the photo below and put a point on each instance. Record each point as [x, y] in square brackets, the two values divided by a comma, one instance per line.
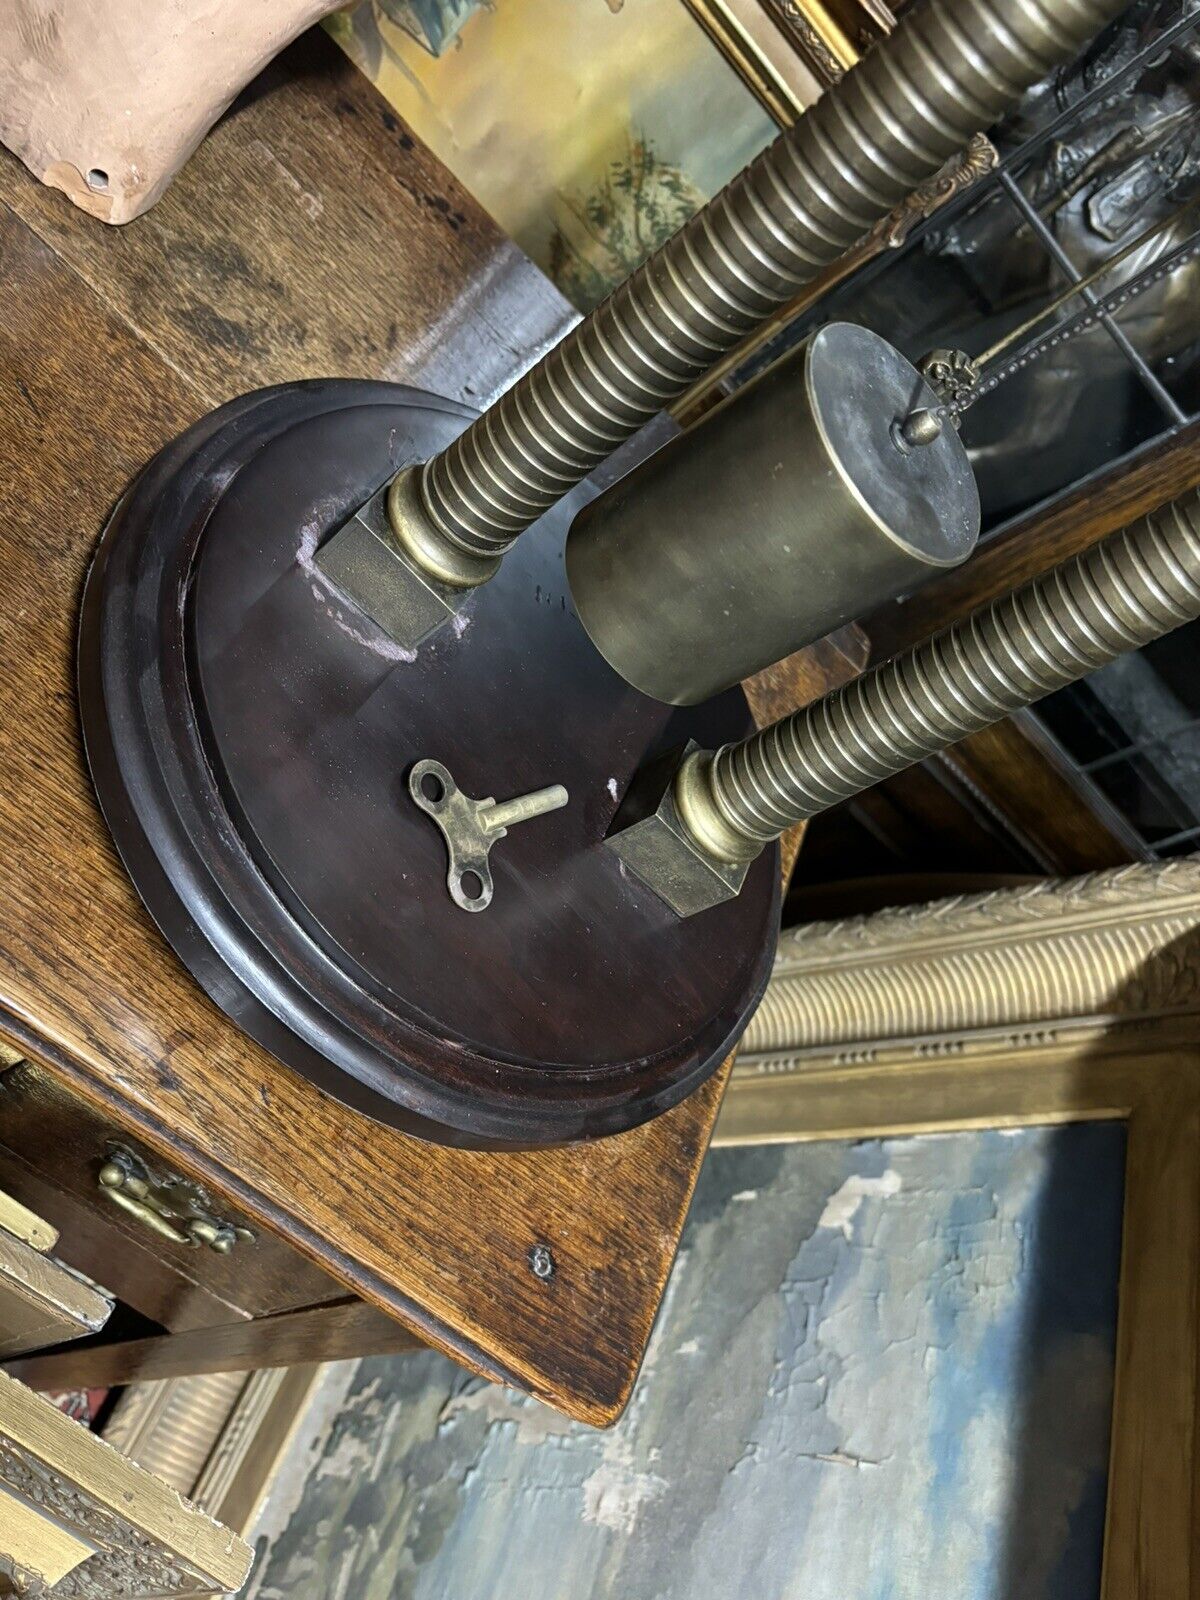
[367, 563]
[650, 838]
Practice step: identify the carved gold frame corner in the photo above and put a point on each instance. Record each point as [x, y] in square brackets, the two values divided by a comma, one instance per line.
[1063, 1002]
[78, 1519]
[763, 54]
[219, 1438]
[788, 51]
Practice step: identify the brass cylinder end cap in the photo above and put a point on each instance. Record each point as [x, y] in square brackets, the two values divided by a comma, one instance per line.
[424, 544]
[697, 808]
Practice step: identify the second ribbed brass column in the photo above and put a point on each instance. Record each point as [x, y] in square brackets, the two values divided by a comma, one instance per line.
[1131, 588]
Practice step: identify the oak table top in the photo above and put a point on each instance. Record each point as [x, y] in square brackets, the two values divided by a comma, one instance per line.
[310, 235]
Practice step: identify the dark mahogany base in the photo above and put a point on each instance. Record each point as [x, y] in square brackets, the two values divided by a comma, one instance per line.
[250, 731]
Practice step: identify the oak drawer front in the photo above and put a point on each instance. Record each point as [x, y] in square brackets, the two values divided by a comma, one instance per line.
[128, 1194]
[92, 1243]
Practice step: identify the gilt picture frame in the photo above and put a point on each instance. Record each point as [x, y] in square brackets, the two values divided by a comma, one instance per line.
[788, 51]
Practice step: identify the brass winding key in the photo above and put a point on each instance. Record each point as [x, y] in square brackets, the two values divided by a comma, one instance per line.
[471, 827]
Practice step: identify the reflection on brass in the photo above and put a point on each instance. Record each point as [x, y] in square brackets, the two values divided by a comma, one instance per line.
[171, 1207]
[1130, 588]
[471, 827]
[111, 1177]
[795, 506]
[887, 127]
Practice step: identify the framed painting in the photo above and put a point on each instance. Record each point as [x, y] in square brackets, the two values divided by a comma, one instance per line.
[787, 51]
[591, 131]
[1065, 1003]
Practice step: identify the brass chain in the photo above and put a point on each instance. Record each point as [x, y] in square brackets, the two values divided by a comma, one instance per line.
[961, 381]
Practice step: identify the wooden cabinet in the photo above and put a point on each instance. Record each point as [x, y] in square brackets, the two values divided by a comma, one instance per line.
[54, 1152]
[309, 236]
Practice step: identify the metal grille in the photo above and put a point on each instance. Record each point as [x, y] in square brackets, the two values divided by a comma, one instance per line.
[1133, 728]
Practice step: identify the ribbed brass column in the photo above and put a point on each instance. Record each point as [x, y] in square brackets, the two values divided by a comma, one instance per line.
[950, 69]
[1131, 588]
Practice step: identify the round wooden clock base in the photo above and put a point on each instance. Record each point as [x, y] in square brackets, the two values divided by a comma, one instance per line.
[250, 733]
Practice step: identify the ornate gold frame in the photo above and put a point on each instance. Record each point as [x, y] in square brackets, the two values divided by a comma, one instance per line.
[219, 1438]
[787, 51]
[78, 1519]
[762, 54]
[1062, 1002]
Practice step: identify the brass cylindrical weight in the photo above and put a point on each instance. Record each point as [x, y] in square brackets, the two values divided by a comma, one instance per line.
[795, 506]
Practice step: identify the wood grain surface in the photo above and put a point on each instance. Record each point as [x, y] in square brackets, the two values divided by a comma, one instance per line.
[1041, 797]
[309, 235]
[348, 1328]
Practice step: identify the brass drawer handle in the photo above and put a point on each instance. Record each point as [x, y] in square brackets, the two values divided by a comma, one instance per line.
[172, 1207]
[114, 1180]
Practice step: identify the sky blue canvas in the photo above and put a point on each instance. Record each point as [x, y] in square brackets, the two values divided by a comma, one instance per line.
[882, 1372]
